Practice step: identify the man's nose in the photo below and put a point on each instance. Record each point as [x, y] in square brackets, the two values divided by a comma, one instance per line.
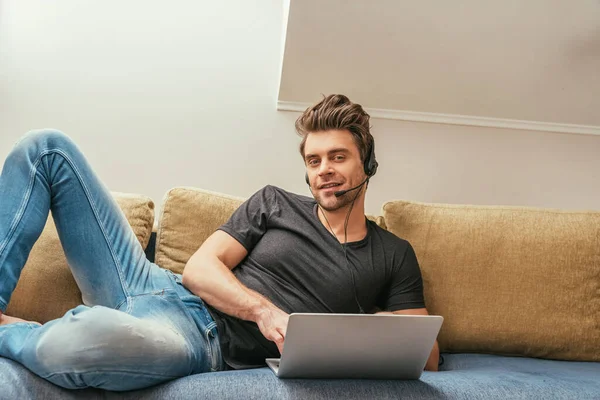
[325, 168]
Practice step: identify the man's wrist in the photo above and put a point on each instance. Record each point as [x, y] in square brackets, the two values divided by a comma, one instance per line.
[256, 309]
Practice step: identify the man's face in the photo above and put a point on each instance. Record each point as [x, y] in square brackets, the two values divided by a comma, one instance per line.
[333, 163]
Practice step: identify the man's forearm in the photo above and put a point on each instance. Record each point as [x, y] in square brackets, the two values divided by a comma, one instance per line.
[212, 281]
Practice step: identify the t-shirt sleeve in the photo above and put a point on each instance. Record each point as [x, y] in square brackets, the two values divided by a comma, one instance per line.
[250, 221]
[406, 287]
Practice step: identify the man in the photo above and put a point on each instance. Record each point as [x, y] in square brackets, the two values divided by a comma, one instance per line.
[279, 253]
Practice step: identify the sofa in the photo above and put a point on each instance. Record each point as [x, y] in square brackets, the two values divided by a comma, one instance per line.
[519, 289]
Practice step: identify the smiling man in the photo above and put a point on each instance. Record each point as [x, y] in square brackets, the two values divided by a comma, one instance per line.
[279, 253]
[282, 253]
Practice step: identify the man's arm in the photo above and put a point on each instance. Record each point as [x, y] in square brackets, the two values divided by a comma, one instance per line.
[208, 275]
[432, 361]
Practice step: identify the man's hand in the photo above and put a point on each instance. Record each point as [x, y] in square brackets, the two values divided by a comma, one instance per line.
[272, 323]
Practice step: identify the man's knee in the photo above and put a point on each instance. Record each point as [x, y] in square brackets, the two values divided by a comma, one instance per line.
[37, 143]
[49, 136]
[44, 139]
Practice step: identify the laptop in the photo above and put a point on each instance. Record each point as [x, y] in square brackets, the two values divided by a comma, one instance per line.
[368, 346]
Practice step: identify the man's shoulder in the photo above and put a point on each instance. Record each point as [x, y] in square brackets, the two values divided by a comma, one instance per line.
[388, 238]
[288, 196]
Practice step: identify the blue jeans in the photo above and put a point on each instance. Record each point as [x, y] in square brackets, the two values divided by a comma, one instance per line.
[139, 326]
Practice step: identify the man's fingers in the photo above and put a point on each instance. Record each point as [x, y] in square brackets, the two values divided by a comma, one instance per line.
[274, 328]
[279, 342]
[281, 330]
[278, 338]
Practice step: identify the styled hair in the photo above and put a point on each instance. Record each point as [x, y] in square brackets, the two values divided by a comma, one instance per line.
[337, 112]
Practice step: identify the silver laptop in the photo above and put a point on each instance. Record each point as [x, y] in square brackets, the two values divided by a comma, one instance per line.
[356, 346]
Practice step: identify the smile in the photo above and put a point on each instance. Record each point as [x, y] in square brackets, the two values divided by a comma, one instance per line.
[329, 185]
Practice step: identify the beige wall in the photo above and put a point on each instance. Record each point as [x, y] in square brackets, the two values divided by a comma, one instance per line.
[457, 164]
[535, 60]
[160, 96]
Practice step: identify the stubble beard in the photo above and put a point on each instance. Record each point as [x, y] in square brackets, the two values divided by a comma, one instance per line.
[340, 202]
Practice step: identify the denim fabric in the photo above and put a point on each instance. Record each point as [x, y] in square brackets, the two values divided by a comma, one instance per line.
[139, 326]
[463, 376]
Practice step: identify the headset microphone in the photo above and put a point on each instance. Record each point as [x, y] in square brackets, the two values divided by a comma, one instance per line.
[343, 192]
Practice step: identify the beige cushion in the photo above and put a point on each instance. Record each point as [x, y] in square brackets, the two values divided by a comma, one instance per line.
[189, 216]
[378, 219]
[508, 280]
[46, 289]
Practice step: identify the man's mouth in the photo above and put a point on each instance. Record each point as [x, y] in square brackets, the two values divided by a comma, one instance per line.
[329, 185]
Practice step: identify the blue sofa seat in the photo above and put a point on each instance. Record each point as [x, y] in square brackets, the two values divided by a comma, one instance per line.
[463, 376]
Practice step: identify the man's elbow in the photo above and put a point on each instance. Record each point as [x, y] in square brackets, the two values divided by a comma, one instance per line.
[186, 277]
[431, 368]
[434, 357]
[192, 271]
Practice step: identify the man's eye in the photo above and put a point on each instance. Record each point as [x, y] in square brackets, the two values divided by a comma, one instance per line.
[313, 161]
[339, 158]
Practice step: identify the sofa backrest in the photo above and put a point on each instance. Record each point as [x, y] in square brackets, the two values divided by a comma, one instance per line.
[508, 280]
[188, 217]
[46, 288]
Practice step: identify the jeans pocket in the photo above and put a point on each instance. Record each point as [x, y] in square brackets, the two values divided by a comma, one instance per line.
[213, 347]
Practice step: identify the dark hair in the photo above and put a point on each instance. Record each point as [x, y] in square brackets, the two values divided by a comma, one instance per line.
[336, 111]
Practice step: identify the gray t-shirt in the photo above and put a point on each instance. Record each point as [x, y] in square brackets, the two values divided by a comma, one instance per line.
[296, 263]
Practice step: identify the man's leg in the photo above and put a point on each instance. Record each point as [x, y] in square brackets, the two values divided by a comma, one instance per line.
[46, 171]
[109, 349]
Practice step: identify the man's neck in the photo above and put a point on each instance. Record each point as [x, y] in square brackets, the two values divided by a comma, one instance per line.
[356, 228]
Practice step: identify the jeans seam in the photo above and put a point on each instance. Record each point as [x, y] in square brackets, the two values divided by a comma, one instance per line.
[159, 292]
[129, 298]
[209, 328]
[21, 210]
[125, 300]
[210, 339]
[209, 351]
[95, 212]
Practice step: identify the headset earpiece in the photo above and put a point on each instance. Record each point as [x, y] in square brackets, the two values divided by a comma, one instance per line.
[371, 163]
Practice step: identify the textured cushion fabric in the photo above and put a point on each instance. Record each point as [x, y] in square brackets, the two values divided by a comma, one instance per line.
[17, 382]
[508, 280]
[46, 288]
[463, 376]
[189, 216]
[378, 219]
